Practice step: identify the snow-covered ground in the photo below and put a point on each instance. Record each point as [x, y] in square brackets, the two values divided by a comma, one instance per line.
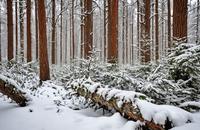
[43, 114]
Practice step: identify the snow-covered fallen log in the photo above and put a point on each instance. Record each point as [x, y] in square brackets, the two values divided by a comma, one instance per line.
[132, 105]
[10, 88]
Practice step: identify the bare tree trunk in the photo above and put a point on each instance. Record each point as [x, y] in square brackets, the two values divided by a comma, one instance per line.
[112, 31]
[169, 23]
[21, 19]
[73, 43]
[180, 20]
[53, 35]
[105, 29]
[88, 28]
[61, 31]
[0, 36]
[82, 27]
[145, 32]
[127, 44]
[36, 28]
[16, 30]
[44, 64]
[29, 42]
[156, 30]
[198, 13]
[123, 34]
[138, 30]
[10, 29]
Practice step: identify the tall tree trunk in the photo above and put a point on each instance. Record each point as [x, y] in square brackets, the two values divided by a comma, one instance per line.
[44, 64]
[180, 20]
[73, 44]
[0, 35]
[16, 30]
[112, 31]
[123, 34]
[156, 30]
[169, 23]
[61, 31]
[88, 28]
[145, 32]
[36, 28]
[10, 29]
[28, 12]
[198, 15]
[138, 30]
[105, 29]
[127, 44]
[21, 19]
[53, 35]
[82, 27]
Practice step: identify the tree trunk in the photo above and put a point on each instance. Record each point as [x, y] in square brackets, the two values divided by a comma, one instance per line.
[156, 30]
[127, 27]
[112, 31]
[128, 109]
[169, 24]
[0, 36]
[105, 29]
[28, 12]
[123, 34]
[88, 28]
[12, 92]
[36, 28]
[44, 64]
[72, 18]
[21, 19]
[16, 30]
[53, 35]
[180, 20]
[61, 31]
[10, 29]
[82, 28]
[198, 13]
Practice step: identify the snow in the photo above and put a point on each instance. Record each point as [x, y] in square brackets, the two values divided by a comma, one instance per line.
[190, 103]
[10, 81]
[43, 114]
[160, 113]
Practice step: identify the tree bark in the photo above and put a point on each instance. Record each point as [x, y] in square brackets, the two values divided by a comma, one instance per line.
[105, 29]
[112, 31]
[36, 28]
[82, 28]
[28, 22]
[169, 23]
[16, 30]
[88, 28]
[61, 31]
[198, 15]
[44, 64]
[0, 37]
[12, 92]
[53, 35]
[156, 30]
[10, 29]
[21, 19]
[180, 20]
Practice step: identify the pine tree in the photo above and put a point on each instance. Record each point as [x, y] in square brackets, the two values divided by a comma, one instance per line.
[36, 28]
[53, 34]
[21, 22]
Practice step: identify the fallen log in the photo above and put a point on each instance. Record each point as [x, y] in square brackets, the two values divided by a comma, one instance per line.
[10, 88]
[130, 105]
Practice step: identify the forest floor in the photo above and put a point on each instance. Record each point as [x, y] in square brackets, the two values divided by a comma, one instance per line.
[43, 114]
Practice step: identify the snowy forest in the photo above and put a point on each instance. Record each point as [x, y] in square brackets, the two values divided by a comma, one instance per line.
[99, 64]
